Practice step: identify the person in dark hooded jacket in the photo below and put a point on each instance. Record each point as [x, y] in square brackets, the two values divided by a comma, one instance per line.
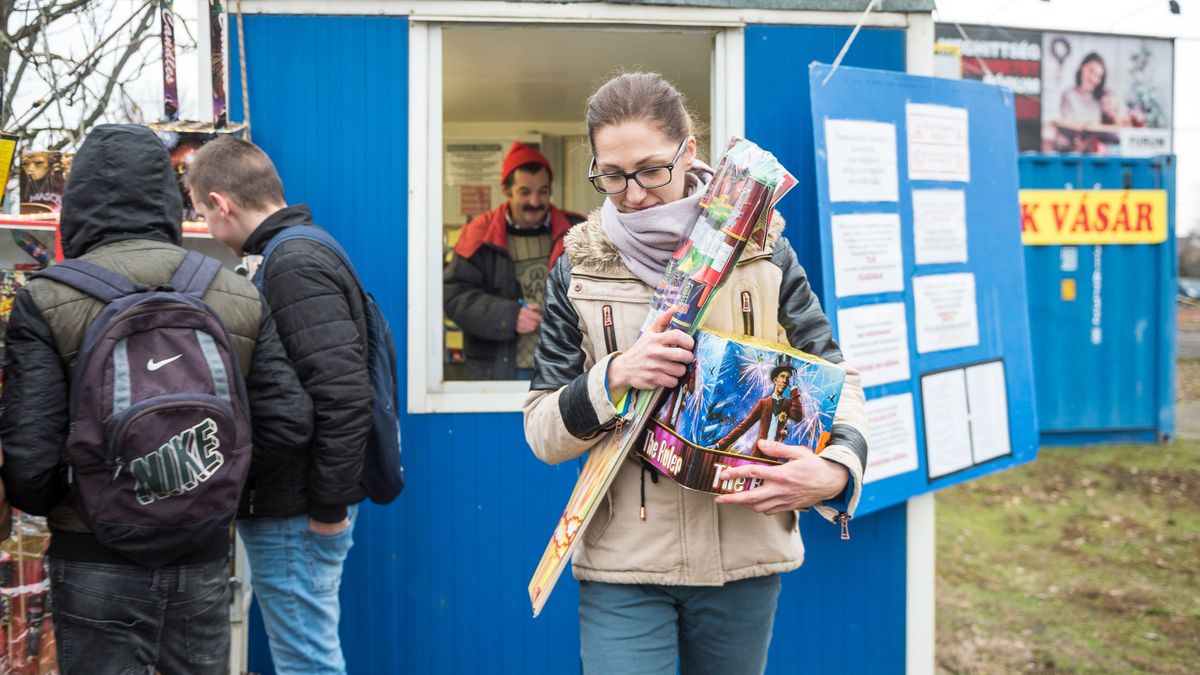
[122, 210]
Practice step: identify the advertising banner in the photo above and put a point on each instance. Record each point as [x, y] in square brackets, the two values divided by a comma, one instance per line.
[1075, 92]
[1083, 217]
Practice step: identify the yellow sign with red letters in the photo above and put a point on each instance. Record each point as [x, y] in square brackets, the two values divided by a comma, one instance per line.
[1080, 217]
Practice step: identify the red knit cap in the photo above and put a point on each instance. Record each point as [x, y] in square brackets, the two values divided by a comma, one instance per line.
[520, 155]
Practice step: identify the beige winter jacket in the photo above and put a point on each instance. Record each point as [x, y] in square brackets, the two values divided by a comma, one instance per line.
[594, 309]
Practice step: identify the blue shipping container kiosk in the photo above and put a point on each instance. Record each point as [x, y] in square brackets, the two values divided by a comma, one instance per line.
[1103, 315]
[350, 99]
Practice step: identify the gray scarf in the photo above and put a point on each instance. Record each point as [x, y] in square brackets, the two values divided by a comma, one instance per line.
[647, 239]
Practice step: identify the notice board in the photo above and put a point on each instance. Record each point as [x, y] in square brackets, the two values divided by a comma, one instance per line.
[922, 269]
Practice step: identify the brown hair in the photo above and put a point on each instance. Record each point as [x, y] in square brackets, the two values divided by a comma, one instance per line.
[235, 168]
[638, 96]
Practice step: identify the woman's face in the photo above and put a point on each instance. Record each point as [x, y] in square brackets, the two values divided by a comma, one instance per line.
[636, 145]
[1091, 75]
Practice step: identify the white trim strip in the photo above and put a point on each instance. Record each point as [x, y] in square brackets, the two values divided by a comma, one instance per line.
[528, 12]
[919, 607]
[418, 187]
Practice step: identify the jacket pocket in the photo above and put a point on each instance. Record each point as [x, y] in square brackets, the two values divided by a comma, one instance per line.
[600, 521]
[610, 330]
[747, 307]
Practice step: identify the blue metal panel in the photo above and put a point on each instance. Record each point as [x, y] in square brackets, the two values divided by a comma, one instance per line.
[779, 110]
[1115, 385]
[436, 582]
[848, 594]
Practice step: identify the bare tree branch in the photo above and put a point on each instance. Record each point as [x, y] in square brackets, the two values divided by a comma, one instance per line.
[101, 105]
[86, 67]
[50, 17]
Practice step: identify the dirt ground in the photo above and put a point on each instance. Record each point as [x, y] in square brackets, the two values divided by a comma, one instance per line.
[1084, 560]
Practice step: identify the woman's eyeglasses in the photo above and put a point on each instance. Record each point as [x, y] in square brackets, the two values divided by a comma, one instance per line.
[649, 178]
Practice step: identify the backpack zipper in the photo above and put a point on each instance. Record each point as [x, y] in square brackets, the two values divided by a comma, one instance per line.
[843, 519]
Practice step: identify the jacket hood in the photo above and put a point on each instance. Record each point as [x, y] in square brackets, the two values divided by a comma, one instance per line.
[122, 186]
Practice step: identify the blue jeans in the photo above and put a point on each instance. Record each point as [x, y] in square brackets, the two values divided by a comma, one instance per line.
[128, 619]
[643, 628]
[296, 574]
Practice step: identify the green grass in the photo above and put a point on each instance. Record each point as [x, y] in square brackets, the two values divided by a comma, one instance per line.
[1085, 560]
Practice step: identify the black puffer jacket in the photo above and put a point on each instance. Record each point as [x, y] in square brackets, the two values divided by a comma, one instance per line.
[122, 210]
[318, 309]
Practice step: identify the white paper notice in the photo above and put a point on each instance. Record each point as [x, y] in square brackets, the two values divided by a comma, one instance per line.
[940, 226]
[893, 437]
[866, 253]
[473, 163]
[988, 400]
[937, 143]
[874, 338]
[862, 161]
[945, 312]
[947, 424]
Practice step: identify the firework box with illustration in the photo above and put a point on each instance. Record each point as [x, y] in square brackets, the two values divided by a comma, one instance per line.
[740, 390]
[43, 176]
[183, 139]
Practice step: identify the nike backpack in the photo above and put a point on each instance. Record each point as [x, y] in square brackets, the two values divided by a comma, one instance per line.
[159, 443]
[383, 473]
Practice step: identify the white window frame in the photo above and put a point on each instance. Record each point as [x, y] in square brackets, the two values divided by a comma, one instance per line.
[427, 392]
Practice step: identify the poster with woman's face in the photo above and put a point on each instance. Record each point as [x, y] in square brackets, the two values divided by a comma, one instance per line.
[1106, 95]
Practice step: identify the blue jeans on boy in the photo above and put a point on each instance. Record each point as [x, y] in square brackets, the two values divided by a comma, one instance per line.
[296, 574]
[128, 619]
[648, 629]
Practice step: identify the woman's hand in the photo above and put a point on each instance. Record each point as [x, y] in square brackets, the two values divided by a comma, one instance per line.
[658, 359]
[805, 480]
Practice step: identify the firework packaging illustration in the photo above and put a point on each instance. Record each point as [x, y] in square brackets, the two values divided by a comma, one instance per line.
[739, 391]
[736, 207]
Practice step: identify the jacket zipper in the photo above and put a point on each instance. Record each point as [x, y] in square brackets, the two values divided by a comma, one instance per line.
[747, 314]
[843, 519]
[610, 331]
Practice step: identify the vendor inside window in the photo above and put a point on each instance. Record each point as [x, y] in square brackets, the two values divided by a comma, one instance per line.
[515, 162]
[496, 276]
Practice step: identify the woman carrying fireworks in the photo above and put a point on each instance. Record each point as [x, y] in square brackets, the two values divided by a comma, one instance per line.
[672, 578]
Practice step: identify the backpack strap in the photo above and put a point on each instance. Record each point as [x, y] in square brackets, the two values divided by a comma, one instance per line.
[195, 274]
[309, 233]
[99, 282]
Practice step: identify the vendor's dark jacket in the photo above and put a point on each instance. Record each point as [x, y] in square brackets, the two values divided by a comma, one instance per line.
[318, 309]
[481, 292]
[122, 210]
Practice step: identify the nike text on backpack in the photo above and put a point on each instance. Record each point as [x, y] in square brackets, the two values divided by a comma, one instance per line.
[159, 444]
[382, 474]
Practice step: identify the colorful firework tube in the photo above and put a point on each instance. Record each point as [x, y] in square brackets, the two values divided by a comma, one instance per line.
[170, 81]
[31, 245]
[35, 614]
[746, 175]
[216, 48]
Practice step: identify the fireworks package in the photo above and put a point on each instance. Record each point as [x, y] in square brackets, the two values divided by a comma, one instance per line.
[738, 391]
[183, 138]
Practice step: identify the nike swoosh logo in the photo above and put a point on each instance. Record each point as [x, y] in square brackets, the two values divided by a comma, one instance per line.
[153, 365]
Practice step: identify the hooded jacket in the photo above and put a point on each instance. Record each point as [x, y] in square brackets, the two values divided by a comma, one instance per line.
[482, 294]
[318, 307]
[122, 210]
